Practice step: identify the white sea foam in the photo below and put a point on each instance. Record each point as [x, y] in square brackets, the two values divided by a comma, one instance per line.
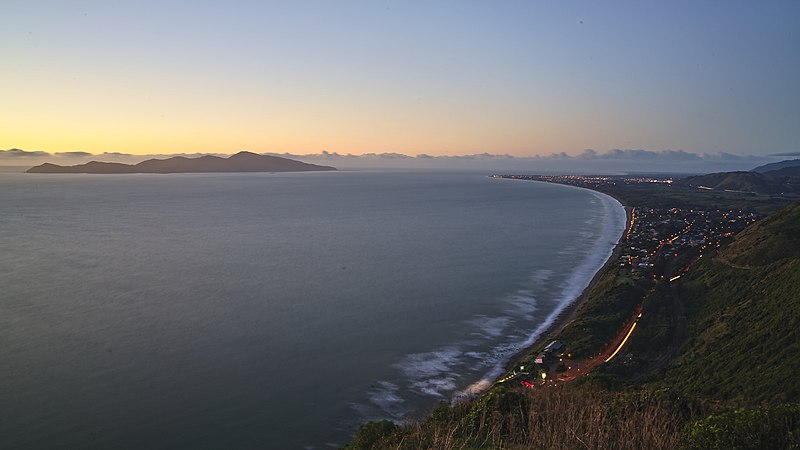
[613, 226]
[435, 387]
[491, 326]
[430, 373]
[436, 373]
[385, 394]
[541, 276]
[522, 304]
[475, 355]
[385, 401]
[473, 390]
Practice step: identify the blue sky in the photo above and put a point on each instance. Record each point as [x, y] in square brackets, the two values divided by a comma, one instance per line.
[441, 78]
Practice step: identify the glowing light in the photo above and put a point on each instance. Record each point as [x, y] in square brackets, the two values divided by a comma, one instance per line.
[621, 344]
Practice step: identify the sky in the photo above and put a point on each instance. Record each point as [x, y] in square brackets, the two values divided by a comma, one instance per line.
[441, 78]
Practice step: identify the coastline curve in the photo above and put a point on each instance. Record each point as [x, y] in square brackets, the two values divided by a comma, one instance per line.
[577, 285]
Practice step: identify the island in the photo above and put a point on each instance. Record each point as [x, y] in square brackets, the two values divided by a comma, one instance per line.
[241, 162]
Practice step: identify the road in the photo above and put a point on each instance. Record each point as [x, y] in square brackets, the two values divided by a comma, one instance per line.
[579, 369]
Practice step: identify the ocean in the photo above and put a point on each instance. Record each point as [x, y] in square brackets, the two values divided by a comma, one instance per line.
[272, 310]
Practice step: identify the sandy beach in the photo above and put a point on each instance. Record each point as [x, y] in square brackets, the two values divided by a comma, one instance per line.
[563, 315]
[569, 312]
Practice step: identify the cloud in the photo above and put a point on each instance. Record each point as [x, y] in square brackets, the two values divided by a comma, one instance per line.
[481, 156]
[786, 154]
[589, 161]
[639, 155]
[73, 154]
[557, 156]
[14, 153]
[386, 156]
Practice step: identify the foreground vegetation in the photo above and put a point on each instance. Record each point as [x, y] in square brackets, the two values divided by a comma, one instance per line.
[552, 419]
[718, 372]
[570, 418]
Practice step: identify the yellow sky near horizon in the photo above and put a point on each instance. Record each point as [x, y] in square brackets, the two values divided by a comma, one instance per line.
[104, 125]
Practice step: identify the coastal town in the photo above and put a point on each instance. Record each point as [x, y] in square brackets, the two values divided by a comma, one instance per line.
[659, 245]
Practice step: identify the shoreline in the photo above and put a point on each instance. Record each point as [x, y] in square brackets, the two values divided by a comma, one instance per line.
[570, 310]
[558, 320]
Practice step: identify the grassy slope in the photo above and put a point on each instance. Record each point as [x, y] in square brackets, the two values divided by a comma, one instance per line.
[775, 239]
[744, 317]
[604, 313]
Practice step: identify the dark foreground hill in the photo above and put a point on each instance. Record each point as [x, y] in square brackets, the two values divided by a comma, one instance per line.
[240, 162]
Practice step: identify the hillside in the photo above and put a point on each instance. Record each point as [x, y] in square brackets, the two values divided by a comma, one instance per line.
[777, 166]
[793, 171]
[753, 182]
[240, 162]
[744, 317]
[774, 239]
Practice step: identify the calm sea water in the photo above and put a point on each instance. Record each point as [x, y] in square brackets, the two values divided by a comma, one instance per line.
[271, 310]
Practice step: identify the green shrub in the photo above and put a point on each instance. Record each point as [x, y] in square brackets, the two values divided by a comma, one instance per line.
[370, 434]
[773, 427]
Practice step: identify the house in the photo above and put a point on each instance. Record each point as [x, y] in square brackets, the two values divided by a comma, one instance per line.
[555, 348]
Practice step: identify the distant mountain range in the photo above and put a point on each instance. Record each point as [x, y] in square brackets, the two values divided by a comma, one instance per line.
[240, 162]
[776, 178]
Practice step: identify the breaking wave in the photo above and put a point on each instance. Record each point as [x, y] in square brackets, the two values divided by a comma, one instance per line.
[445, 373]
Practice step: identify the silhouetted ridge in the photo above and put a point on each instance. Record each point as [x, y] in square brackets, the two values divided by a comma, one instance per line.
[240, 162]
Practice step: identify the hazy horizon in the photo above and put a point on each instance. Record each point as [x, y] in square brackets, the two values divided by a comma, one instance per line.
[589, 161]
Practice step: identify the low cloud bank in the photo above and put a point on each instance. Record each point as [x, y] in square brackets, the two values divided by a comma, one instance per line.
[16, 156]
[588, 161]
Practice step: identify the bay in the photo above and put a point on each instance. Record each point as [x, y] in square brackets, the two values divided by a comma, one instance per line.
[271, 310]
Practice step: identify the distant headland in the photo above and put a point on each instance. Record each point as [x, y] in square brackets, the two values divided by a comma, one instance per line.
[240, 162]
